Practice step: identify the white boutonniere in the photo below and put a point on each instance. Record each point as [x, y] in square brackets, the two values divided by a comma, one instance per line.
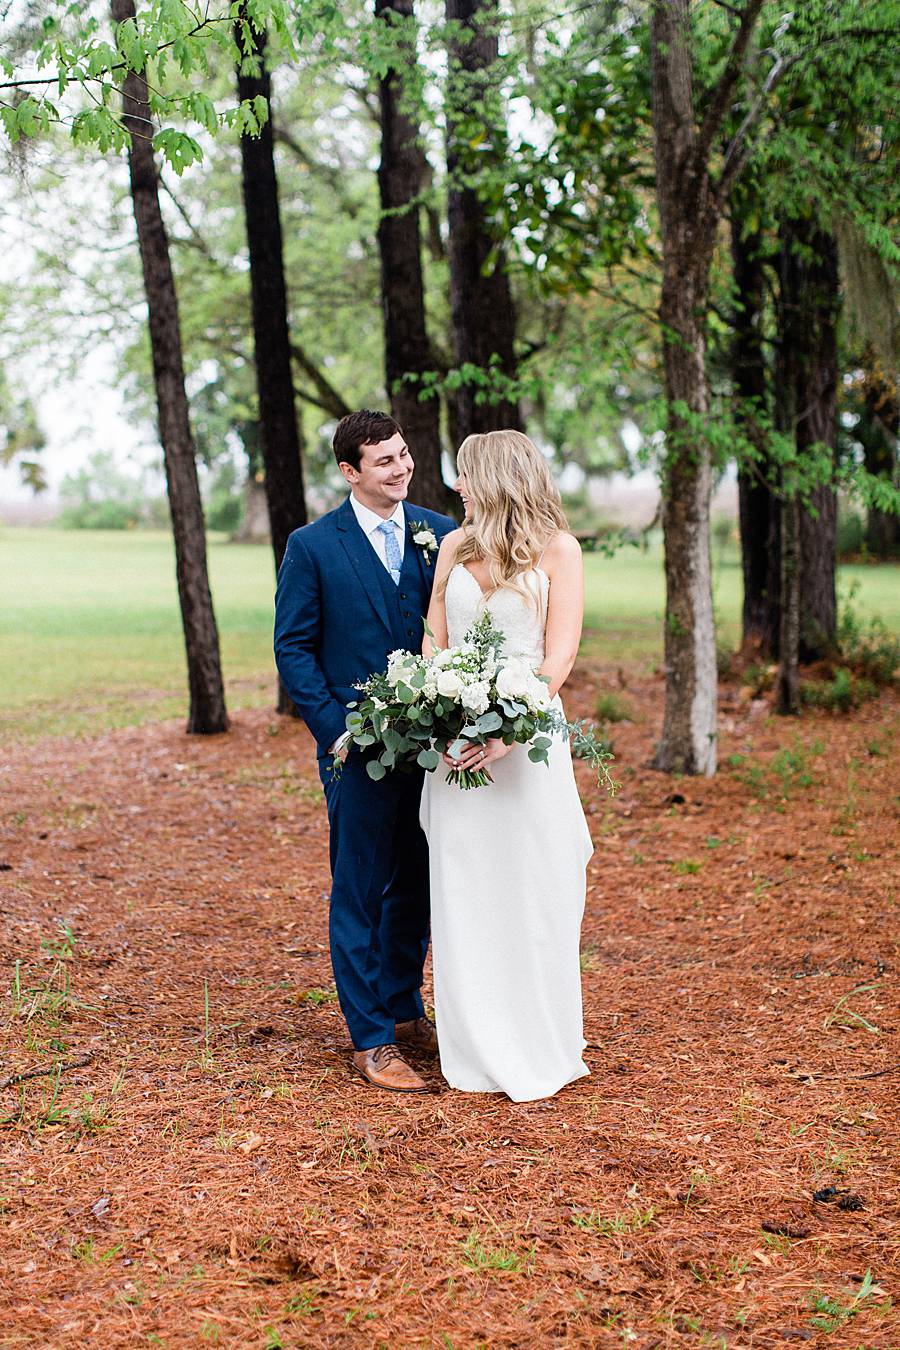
[424, 538]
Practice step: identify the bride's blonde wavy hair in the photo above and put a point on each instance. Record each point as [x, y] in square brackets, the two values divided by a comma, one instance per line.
[516, 508]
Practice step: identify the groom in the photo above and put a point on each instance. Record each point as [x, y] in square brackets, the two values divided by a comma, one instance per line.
[352, 588]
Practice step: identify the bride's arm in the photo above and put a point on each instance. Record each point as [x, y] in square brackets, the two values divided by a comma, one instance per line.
[565, 611]
[436, 618]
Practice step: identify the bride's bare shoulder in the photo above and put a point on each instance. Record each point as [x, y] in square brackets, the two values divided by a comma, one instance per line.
[563, 548]
[447, 555]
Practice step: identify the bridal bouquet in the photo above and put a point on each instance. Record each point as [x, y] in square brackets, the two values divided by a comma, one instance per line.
[422, 707]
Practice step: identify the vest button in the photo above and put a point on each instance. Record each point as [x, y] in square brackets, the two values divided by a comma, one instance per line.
[402, 595]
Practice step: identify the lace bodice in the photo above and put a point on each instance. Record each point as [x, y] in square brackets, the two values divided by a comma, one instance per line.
[522, 622]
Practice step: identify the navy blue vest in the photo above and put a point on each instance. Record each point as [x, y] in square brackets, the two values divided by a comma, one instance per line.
[408, 602]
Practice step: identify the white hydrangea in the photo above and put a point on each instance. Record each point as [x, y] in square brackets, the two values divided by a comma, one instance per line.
[401, 667]
[475, 697]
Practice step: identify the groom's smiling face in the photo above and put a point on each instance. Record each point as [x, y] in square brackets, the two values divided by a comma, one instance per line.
[382, 479]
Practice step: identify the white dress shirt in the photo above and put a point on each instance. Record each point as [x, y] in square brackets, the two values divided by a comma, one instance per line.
[369, 523]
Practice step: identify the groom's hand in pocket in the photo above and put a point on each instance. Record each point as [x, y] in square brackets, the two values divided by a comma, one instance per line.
[341, 747]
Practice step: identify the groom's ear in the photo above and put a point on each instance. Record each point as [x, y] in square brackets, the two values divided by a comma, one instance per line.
[351, 474]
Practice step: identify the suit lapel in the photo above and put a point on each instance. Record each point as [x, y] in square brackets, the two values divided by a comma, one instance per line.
[425, 572]
[364, 561]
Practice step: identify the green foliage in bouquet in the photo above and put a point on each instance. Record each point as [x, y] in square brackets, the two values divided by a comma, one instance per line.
[419, 707]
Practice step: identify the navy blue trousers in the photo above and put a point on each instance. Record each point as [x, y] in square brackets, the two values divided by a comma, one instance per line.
[379, 915]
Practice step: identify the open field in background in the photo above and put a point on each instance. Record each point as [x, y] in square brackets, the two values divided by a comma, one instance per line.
[91, 636]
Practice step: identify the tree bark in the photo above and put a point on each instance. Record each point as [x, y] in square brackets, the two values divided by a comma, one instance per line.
[482, 311]
[279, 436]
[688, 218]
[207, 712]
[759, 508]
[407, 350]
[788, 683]
[814, 267]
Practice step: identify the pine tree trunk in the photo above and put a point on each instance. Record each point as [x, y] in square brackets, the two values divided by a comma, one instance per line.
[279, 435]
[787, 382]
[482, 311]
[817, 424]
[407, 349]
[688, 220]
[207, 712]
[788, 685]
[758, 505]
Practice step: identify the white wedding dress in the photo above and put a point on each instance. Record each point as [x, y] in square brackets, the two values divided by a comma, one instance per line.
[507, 892]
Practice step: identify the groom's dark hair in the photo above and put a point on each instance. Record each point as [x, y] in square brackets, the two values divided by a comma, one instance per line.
[361, 428]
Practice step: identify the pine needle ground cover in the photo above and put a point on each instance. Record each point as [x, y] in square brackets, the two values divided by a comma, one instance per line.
[188, 1160]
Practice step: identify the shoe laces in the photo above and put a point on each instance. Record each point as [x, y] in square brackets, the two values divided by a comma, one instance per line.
[386, 1054]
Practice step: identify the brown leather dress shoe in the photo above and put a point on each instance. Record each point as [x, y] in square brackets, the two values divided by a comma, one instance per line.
[420, 1034]
[383, 1066]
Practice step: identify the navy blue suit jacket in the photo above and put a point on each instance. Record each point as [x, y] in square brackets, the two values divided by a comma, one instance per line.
[338, 614]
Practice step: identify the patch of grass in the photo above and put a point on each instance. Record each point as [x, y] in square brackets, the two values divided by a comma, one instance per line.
[606, 1225]
[49, 1001]
[318, 996]
[791, 768]
[686, 867]
[86, 1250]
[303, 1304]
[478, 1256]
[830, 1314]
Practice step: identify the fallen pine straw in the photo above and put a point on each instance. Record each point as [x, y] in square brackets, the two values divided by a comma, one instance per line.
[207, 1170]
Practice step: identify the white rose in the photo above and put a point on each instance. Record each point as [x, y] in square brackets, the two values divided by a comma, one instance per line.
[448, 684]
[539, 695]
[425, 539]
[401, 667]
[443, 658]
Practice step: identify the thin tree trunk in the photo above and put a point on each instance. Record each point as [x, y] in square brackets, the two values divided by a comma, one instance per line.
[688, 219]
[207, 712]
[482, 311]
[406, 346]
[279, 435]
[758, 505]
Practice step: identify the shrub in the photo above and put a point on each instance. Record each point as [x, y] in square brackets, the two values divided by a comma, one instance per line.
[843, 692]
[870, 650]
[611, 708]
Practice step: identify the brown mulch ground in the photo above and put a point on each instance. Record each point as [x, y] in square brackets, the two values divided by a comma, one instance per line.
[182, 1178]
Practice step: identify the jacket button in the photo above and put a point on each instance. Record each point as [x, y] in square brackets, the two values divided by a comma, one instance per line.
[402, 596]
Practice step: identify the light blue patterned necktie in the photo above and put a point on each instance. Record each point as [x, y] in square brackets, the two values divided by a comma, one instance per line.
[391, 549]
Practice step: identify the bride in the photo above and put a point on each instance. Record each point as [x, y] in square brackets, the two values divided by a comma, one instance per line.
[508, 860]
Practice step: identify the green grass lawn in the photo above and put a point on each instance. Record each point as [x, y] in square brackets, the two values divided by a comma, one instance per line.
[91, 637]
